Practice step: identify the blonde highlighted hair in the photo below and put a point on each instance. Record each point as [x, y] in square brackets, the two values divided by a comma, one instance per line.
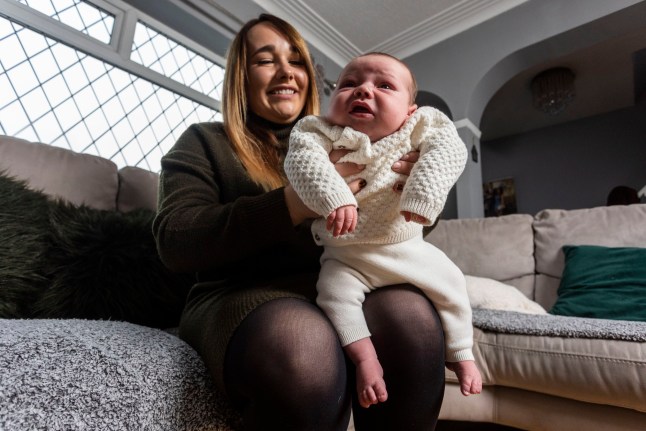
[257, 147]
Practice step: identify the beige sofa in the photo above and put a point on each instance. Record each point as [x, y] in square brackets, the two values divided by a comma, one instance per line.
[83, 373]
[73, 374]
[547, 382]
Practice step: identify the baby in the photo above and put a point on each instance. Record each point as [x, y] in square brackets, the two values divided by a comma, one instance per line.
[373, 114]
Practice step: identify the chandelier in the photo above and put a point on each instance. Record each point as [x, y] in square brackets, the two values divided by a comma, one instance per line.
[553, 90]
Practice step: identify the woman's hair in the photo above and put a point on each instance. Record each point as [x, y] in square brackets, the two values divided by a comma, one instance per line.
[257, 147]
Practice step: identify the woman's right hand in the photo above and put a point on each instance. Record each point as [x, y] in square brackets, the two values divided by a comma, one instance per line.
[299, 212]
[347, 169]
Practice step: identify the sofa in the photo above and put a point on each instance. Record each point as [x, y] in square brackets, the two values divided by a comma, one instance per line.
[88, 314]
[543, 371]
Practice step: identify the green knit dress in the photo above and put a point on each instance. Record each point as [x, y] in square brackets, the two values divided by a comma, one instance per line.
[214, 221]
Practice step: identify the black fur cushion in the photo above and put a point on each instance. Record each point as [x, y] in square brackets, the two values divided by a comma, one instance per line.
[24, 244]
[99, 265]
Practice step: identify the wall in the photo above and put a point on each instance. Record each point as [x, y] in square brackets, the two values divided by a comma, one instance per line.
[573, 165]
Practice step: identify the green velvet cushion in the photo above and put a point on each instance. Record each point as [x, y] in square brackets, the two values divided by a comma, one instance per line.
[603, 282]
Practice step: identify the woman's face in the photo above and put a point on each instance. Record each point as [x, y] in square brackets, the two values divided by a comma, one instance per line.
[278, 80]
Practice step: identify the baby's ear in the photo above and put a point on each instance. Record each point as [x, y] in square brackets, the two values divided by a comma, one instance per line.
[412, 108]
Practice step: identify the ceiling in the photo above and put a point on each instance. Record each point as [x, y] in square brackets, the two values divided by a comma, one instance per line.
[607, 78]
[340, 29]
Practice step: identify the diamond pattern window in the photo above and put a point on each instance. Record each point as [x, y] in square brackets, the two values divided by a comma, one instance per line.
[55, 94]
[82, 16]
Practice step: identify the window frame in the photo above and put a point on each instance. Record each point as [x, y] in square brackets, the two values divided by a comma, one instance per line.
[118, 51]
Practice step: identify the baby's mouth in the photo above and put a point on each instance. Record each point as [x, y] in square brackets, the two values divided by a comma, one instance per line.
[359, 109]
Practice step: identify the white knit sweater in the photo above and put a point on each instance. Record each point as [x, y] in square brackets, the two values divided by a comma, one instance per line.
[442, 159]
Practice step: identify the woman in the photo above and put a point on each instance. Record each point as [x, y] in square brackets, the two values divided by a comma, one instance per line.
[227, 213]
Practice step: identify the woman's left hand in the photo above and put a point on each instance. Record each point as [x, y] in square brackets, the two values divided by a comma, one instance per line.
[404, 166]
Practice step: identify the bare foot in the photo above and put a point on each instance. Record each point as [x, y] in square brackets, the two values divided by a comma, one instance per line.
[468, 376]
[371, 386]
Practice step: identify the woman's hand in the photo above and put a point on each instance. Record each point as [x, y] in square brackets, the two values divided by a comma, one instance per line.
[404, 166]
[409, 216]
[347, 169]
[298, 211]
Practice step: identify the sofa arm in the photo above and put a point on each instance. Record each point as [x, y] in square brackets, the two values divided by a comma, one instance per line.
[137, 189]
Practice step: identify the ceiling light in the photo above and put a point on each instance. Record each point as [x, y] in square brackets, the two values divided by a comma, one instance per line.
[553, 90]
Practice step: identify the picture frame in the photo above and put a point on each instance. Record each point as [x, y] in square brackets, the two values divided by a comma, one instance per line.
[499, 197]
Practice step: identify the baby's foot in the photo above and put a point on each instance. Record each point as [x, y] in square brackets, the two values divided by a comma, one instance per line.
[468, 376]
[371, 386]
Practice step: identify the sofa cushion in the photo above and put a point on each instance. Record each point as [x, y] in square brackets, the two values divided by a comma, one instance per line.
[585, 369]
[501, 248]
[137, 189]
[614, 226]
[494, 295]
[603, 282]
[102, 375]
[77, 178]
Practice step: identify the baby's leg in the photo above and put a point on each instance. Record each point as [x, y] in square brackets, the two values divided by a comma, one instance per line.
[371, 386]
[468, 376]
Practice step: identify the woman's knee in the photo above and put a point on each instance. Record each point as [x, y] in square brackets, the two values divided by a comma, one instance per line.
[402, 305]
[288, 343]
[285, 366]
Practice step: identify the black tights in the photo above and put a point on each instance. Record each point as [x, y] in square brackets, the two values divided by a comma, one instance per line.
[285, 368]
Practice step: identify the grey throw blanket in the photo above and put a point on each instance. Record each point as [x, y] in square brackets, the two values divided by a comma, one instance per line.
[103, 375]
[510, 322]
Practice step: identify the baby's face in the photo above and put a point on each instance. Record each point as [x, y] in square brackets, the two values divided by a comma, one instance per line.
[372, 96]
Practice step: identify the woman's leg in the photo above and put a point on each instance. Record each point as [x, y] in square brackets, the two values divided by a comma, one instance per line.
[408, 336]
[285, 369]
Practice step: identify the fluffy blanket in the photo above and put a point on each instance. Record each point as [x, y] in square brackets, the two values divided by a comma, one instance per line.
[510, 322]
[104, 375]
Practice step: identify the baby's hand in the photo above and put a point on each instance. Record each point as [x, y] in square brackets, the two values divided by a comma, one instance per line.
[409, 216]
[342, 220]
[468, 376]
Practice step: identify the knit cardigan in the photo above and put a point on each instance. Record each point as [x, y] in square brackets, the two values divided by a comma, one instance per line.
[442, 159]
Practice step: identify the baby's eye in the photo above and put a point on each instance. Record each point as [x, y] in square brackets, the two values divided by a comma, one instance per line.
[347, 84]
[386, 86]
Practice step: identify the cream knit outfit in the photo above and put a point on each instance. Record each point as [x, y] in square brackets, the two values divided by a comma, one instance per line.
[384, 249]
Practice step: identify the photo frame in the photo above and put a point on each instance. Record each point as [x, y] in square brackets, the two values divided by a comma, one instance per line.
[499, 197]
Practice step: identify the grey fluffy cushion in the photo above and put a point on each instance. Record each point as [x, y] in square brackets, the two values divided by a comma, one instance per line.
[103, 375]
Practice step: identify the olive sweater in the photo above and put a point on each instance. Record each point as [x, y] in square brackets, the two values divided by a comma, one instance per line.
[213, 220]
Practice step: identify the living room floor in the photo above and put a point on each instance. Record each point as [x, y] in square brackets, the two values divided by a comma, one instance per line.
[471, 426]
[463, 426]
